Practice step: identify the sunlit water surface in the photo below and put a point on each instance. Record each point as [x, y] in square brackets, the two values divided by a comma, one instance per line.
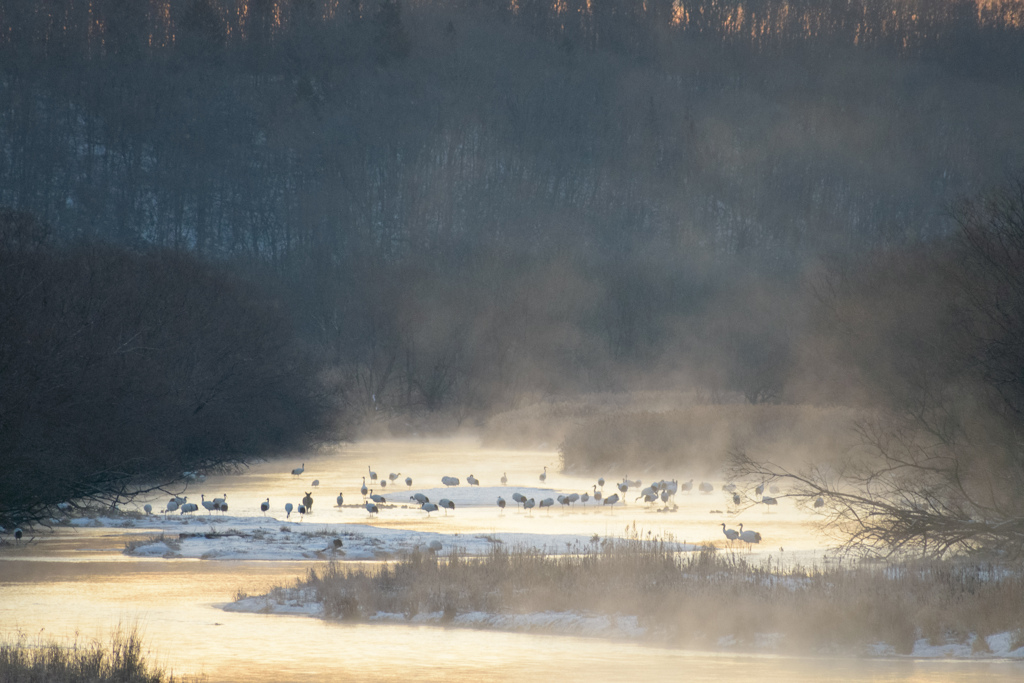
[79, 584]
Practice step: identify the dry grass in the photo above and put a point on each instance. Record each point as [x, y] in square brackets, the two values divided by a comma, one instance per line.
[122, 660]
[171, 543]
[693, 599]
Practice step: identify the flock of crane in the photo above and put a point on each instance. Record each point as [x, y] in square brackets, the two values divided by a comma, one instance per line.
[663, 491]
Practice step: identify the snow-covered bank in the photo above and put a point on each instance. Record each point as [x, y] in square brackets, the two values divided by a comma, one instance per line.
[294, 602]
[257, 538]
[301, 602]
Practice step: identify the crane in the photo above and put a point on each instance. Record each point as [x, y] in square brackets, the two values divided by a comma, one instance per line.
[749, 536]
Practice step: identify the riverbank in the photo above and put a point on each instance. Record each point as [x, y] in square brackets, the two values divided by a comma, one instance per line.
[709, 600]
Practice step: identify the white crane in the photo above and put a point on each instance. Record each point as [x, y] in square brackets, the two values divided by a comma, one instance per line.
[341, 499]
[472, 481]
[408, 482]
[749, 536]
[383, 484]
[612, 499]
[687, 487]
[731, 534]
[148, 508]
[419, 498]
[220, 501]
[172, 505]
[706, 487]
[768, 500]
[288, 510]
[264, 506]
[363, 490]
[585, 497]
[518, 498]
[597, 494]
[371, 508]
[434, 546]
[208, 504]
[446, 504]
[600, 482]
[546, 503]
[377, 498]
[18, 533]
[501, 503]
[450, 481]
[373, 475]
[648, 497]
[544, 474]
[429, 507]
[736, 499]
[528, 504]
[299, 470]
[504, 478]
[316, 482]
[394, 475]
[819, 502]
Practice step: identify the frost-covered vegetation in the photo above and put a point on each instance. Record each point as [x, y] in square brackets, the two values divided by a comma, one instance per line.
[706, 599]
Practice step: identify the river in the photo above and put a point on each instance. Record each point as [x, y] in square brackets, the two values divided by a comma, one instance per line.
[78, 583]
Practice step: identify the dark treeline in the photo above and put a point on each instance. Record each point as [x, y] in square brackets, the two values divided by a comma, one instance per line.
[117, 366]
[463, 204]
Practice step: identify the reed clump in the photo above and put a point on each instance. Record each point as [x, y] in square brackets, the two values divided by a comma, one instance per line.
[171, 543]
[121, 660]
[693, 599]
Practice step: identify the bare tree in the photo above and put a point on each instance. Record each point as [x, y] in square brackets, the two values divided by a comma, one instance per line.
[942, 465]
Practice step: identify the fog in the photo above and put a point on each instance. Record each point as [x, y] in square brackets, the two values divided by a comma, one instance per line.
[768, 242]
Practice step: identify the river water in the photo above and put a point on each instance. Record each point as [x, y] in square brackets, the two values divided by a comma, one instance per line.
[79, 584]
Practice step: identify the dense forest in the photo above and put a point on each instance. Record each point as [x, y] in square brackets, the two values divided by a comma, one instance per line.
[450, 208]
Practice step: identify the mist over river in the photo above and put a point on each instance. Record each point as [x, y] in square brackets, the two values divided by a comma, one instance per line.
[78, 583]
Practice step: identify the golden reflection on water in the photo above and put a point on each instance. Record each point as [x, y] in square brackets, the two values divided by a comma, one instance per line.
[77, 583]
[697, 519]
[176, 603]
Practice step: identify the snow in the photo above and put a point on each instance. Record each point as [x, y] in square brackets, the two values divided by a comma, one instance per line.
[1000, 646]
[564, 623]
[289, 538]
[217, 537]
[258, 538]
